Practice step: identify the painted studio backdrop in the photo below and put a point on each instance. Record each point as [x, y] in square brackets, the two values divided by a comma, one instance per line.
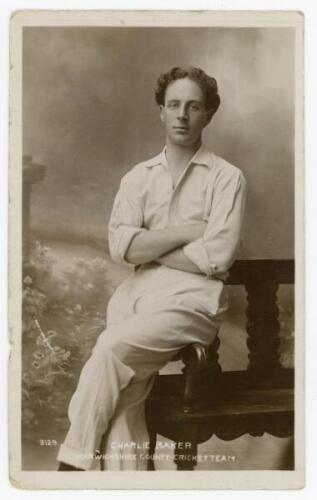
[89, 116]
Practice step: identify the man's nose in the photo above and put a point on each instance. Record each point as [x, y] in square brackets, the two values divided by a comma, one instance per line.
[182, 113]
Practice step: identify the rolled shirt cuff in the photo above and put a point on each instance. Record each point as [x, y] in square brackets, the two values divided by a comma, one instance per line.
[124, 236]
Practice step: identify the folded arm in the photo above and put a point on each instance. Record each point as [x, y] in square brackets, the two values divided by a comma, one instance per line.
[176, 259]
[154, 245]
[131, 243]
[206, 248]
[215, 251]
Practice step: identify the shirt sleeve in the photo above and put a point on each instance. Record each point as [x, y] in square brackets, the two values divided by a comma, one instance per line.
[214, 253]
[125, 222]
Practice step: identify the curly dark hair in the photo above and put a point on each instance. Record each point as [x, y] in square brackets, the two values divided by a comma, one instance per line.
[207, 84]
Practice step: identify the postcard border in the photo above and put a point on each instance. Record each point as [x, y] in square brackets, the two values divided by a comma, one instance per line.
[200, 480]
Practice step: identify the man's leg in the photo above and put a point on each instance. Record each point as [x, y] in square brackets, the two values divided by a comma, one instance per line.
[92, 406]
[115, 314]
[127, 354]
[126, 444]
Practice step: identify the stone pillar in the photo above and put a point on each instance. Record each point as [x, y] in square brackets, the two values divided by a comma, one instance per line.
[32, 173]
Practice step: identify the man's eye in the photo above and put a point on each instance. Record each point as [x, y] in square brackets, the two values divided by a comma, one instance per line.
[172, 104]
[195, 107]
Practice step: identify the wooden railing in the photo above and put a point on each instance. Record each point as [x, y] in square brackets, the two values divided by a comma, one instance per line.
[261, 279]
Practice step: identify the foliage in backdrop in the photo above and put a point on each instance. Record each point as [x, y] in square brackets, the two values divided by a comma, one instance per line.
[62, 315]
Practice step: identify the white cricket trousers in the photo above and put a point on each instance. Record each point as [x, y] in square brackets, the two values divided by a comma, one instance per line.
[147, 324]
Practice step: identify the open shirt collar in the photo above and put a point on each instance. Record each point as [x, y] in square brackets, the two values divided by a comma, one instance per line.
[202, 157]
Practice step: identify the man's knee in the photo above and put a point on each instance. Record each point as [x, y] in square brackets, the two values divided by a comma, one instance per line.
[110, 345]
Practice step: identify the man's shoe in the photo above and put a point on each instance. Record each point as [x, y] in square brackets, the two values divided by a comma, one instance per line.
[63, 466]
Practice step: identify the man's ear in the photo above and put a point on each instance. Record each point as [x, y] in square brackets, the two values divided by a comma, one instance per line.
[162, 114]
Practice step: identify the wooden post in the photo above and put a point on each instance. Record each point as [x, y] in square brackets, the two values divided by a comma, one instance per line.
[185, 455]
[201, 368]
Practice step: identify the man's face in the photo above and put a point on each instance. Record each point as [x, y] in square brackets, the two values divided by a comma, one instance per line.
[184, 113]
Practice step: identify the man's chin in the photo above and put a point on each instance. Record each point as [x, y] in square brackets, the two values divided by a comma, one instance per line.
[183, 140]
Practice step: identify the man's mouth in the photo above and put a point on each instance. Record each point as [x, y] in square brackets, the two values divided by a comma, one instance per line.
[183, 129]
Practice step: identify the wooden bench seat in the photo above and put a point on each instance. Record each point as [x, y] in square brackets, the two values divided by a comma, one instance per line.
[204, 401]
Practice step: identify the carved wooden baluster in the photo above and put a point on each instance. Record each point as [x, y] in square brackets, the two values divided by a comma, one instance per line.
[214, 357]
[263, 328]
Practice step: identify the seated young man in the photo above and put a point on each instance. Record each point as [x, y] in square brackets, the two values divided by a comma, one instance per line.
[177, 218]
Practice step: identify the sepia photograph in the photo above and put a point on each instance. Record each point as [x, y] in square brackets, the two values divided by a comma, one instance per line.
[155, 161]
